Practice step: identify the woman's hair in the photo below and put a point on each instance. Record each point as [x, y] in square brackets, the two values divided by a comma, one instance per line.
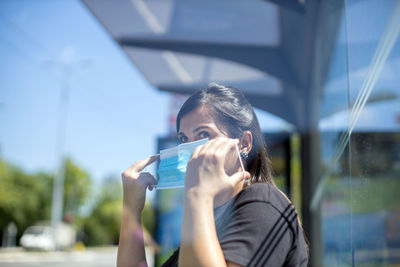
[231, 111]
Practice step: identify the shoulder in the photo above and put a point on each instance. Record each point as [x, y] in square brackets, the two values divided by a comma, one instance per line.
[263, 192]
[262, 201]
[260, 226]
[261, 204]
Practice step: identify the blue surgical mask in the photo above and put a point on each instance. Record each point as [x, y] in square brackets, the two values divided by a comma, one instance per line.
[172, 168]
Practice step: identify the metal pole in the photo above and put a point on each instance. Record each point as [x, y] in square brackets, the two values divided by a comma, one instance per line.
[58, 184]
[66, 69]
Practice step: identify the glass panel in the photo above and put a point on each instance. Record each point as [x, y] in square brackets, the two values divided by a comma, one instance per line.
[373, 56]
[360, 129]
[335, 200]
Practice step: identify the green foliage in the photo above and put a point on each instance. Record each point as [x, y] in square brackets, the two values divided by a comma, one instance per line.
[103, 224]
[375, 194]
[26, 198]
[366, 194]
[76, 188]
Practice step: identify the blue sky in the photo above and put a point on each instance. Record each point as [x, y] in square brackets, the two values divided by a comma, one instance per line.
[114, 115]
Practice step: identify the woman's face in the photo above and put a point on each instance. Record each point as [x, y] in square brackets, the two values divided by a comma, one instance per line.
[198, 124]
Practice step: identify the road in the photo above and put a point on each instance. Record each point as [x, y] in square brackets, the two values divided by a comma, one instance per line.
[96, 257]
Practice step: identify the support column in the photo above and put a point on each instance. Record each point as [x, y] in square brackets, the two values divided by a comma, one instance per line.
[311, 173]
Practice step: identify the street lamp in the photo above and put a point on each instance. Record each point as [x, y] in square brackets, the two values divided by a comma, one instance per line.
[66, 69]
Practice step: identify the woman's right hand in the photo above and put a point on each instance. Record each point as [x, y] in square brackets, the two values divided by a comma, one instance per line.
[135, 183]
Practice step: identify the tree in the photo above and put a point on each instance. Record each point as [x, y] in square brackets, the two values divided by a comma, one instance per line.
[102, 225]
[76, 188]
[25, 198]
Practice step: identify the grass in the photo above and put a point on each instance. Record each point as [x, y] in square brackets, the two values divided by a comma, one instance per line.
[365, 194]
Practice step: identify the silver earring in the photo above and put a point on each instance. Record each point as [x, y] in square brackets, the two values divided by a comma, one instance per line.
[244, 155]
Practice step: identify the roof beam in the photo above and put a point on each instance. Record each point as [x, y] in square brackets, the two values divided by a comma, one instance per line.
[295, 5]
[267, 59]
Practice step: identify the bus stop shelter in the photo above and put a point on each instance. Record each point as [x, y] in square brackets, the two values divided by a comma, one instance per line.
[277, 52]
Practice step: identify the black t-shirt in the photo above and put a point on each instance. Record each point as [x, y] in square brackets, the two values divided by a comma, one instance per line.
[258, 227]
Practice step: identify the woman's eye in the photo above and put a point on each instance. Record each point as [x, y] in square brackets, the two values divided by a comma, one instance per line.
[204, 135]
[183, 139]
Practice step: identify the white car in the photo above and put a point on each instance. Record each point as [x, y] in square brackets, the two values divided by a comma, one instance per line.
[38, 237]
[41, 237]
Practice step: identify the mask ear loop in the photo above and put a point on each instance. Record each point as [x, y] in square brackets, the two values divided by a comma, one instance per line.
[241, 163]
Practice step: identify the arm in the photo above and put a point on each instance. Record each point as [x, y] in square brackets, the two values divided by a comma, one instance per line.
[206, 179]
[199, 242]
[198, 218]
[131, 244]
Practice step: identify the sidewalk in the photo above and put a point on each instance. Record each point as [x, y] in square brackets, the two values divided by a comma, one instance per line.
[18, 254]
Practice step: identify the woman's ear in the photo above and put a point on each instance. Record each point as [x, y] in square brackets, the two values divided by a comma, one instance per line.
[246, 142]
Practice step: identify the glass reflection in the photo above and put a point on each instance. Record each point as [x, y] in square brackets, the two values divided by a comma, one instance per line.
[361, 139]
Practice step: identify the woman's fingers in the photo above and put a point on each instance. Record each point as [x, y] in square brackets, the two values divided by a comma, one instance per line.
[226, 146]
[220, 152]
[218, 146]
[238, 177]
[135, 182]
[224, 150]
[141, 164]
[196, 151]
[216, 149]
[147, 179]
[134, 170]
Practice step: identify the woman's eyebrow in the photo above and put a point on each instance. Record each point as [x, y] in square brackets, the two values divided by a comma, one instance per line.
[200, 128]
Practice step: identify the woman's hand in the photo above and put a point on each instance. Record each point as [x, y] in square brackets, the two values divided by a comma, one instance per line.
[213, 175]
[135, 182]
[214, 169]
[131, 243]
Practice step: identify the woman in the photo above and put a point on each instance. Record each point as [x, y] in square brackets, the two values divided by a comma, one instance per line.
[230, 217]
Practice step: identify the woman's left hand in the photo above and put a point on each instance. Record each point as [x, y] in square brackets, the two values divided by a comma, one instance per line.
[213, 169]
